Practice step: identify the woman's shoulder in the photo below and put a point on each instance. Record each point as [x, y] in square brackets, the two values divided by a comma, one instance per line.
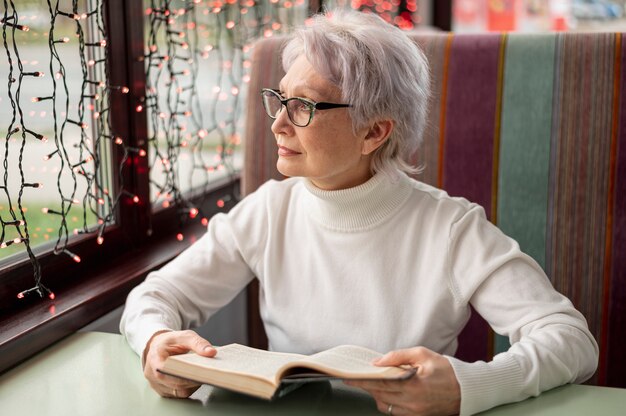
[439, 199]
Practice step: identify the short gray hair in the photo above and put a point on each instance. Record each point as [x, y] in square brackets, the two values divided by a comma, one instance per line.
[380, 71]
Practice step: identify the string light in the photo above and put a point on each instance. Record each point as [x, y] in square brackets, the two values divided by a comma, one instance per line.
[40, 290]
[37, 99]
[37, 136]
[93, 55]
[177, 40]
[70, 15]
[74, 257]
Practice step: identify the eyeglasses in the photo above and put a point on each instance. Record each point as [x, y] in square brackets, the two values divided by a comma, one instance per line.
[299, 110]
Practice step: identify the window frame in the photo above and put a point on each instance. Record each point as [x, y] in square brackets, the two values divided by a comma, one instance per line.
[106, 273]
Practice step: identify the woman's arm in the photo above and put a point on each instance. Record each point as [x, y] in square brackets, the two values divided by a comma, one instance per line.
[550, 342]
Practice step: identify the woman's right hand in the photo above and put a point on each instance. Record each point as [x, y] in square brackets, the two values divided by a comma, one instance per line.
[166, 343]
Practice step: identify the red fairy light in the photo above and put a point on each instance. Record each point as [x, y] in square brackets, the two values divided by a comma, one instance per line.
[180, 237]
[51, 296]
[142, 153]
[193, 212]
[74, 257]
[204, 222]
[136, 199]
[220, 203]
[139, 108]
[100, 240]
[20, 295]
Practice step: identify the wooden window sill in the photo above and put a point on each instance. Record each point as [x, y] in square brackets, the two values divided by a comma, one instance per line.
[42, 322]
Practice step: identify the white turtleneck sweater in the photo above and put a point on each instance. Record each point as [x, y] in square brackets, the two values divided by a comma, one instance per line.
[388, 264]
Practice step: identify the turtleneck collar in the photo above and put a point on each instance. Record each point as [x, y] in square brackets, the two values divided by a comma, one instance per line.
[360, 207]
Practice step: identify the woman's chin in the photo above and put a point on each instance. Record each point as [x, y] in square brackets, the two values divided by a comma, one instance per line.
[287, 169]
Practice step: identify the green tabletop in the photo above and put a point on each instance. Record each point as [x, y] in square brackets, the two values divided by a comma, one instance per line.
[98, 374]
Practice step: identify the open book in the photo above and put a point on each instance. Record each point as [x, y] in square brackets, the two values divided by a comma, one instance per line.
[270, 374]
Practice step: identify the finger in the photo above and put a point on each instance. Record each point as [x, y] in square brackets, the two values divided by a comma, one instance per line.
[178, 392]
[376, 385]
[383, 407]
[197, 344]
[410, 356]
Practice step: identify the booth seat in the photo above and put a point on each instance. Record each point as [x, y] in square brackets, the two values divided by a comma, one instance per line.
[531, 127]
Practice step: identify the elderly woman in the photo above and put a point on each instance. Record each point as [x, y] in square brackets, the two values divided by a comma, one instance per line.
[351, 250]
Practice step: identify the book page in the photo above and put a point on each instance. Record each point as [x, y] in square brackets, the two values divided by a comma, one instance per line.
[348, 359]
[244, 360]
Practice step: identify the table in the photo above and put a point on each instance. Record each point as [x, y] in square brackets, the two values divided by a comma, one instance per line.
[98, 374]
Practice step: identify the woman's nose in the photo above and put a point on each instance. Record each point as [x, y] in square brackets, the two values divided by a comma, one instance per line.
[282, 124]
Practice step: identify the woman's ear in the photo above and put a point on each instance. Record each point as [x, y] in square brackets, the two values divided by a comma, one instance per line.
[377, 135]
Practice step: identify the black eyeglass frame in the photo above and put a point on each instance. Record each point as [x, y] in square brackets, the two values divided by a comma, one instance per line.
[312, 104]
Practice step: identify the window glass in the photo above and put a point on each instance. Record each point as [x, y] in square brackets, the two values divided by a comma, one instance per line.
[538, 15]
[197, 60]
[52, 118]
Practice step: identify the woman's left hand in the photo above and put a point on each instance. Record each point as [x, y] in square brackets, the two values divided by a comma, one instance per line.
[433, 390]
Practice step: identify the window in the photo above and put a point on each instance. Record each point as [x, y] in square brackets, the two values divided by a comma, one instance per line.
[50, 115]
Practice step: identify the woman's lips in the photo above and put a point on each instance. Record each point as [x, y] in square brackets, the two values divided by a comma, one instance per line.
[285, 151]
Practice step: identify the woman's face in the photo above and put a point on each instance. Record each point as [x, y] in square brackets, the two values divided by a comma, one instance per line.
[326, 151]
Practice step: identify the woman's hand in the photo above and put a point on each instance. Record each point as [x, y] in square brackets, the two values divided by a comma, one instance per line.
[433, 390]
[166, 343]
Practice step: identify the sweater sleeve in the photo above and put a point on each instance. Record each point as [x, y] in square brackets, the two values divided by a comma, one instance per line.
[550, 342]
[187, 291]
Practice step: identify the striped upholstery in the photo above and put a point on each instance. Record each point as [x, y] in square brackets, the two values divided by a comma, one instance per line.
[533, 128]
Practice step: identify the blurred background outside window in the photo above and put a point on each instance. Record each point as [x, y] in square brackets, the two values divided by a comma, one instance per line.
[471, 16]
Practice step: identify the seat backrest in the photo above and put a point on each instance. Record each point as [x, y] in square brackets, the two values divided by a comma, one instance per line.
[533, 128]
